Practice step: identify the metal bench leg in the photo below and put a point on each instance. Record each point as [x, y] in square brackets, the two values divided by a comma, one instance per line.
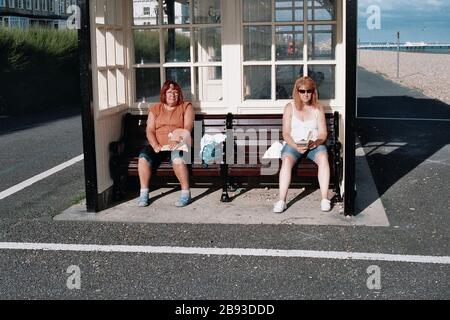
[224, 175]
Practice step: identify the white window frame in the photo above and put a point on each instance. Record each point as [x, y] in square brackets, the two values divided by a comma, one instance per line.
[36, 5]
[51, 7]
[11, 3]
[44, 5]
[20, 4]
[213, 106]
[29, 5]
[274, 105]
[2, 3]
[110, 97]
[232, 62]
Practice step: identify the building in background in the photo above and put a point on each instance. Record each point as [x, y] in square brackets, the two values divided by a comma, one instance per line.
[27, 13]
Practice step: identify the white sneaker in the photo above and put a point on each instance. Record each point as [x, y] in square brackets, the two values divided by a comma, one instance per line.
[279, 207]
[325, 205]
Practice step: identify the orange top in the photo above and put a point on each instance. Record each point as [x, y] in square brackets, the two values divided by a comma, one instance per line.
[167, 121]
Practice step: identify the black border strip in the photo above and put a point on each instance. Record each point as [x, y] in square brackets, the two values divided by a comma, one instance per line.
[87, 111]
[350, 106]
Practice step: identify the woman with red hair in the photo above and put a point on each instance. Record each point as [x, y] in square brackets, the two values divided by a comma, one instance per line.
[305, 132]
[169, 122]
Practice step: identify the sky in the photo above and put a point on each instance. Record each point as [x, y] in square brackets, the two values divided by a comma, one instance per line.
[417, 20]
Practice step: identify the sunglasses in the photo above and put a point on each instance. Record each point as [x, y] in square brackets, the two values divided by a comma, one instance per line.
[306, 91]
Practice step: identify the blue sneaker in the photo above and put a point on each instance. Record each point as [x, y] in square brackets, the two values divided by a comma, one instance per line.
[184, 200]
[143, 200]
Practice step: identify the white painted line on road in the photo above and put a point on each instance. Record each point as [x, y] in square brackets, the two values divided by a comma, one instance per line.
[403, 119]
[226, 251]
[39, 177]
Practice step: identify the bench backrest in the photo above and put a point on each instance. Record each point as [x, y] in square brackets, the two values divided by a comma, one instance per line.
[254, 134]
[134, 131]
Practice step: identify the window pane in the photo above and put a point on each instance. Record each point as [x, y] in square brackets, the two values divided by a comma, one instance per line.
[257, 82]
[321, 42]
[183, 77]
[209, 84]
[256, 10]
[176, 12]
[177, 45]
[288, 10]
[322, 10]
[207, 45]
[207, 11]
[289, 42]
[145, 12]
[146, 46]
[325, 79]
[148, 84]
[257, 43]
[286, 77]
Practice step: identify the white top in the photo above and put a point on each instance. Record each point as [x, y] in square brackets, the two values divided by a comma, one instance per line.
[301, 129]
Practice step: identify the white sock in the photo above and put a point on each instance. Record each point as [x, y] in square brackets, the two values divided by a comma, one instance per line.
[144, 191]
[186, 192]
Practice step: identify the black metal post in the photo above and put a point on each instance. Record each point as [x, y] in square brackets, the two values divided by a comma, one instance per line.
[350, 107]
[87, 111]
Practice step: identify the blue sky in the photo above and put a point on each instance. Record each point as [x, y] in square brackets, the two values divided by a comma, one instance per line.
[417, 20]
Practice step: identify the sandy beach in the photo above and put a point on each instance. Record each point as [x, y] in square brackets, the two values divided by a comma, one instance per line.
[425, 72]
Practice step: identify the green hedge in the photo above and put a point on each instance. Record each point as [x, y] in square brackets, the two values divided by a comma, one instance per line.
[39, 70]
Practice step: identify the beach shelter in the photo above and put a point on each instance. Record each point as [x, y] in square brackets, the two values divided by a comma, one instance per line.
[230, 56]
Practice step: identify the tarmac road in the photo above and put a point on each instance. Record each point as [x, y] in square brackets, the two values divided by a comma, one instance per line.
[409, 161]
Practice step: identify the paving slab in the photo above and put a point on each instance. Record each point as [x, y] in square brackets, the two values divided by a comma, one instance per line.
[253, 206]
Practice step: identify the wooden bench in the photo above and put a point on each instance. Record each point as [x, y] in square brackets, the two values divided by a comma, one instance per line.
[124, 153]
[254, 134]
[251, 136]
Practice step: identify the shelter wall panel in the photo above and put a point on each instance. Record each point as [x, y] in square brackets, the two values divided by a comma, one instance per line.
[107, 130]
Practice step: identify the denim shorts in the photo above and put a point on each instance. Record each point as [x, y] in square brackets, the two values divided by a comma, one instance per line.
[310, 154]
[155, 159]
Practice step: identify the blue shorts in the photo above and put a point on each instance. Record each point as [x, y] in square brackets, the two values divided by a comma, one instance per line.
[310, 154]
[155, 159]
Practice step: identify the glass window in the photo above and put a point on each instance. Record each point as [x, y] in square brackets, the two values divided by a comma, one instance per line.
[321, 44]
[207, 11]
[324, 10]
[289, 42]
[257, 10]
[257, 43]
[324, 76]
[288, 10]
[146, 12]
[300, 38]
[257, 82]
[286, 77]
[183, 77]
[177, 45]
[146, 46]
[190, 53]
[207, 44]
[176, 12]
[148, 84]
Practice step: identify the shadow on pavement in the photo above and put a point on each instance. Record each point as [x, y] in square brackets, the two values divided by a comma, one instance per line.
[10, 124]
[396, 147]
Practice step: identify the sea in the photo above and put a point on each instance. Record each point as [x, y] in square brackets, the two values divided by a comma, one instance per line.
[445, 49]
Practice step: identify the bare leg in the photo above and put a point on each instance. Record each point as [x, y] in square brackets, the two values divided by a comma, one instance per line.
[145, 173]
[324, 173]
[181, 171]
[285, 176]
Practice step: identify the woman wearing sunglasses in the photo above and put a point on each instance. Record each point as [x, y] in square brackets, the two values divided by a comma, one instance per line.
[305, 132]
